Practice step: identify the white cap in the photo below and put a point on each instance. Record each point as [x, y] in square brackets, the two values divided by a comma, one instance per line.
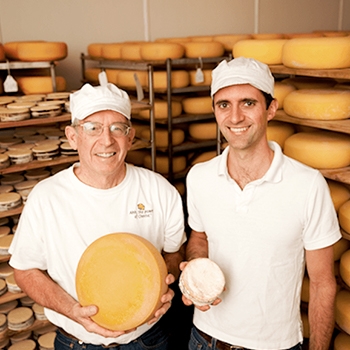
[242, 70]
[91, 99]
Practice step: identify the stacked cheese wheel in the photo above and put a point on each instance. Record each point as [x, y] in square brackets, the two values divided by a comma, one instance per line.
[279, 131]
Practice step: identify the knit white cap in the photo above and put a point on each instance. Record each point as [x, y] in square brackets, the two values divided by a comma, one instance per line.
[242, 70]
[91, 99]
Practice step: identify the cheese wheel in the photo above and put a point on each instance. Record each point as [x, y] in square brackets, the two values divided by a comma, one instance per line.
[267, 36]
[201, 38]
[131, 51]
[174, 39]
[111, 51]
[137, 157]
[205, 73]
[179, 79]
[339, 193]
[319, 104]
[228, 40]
[281, 90]
[302, 35]
[310, 82]
[91, 74]
[162, 163]
[95, 50]
[161, 137]
[197, 105]
[124, 275]
[195, 49]
[266, 51]
[317, 53]
[320, 149]
[203, 157]
[126, 78]
[305, 289]
[279, 131]
[203, 130]
[340, 247]
[341, 341]
[112, 75]
[40, 85]
[2, 53]
[342, 310]
[160, 110]
[32, 51]
[161, 51]
[344, 216]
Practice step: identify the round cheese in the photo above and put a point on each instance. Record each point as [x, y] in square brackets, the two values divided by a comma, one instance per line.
[203, 49]
[162, 163]
[279, 131]
[136, 157]
[160, 110]
[126, 78]
[131, 51]
[267, 36]
[317, 53]
[340, 247]
[112, 75]
[111, 51]
[228, 40]
[266, 51]
[20, 318]
[47, 341]
[40, 85]
[197, 105]
[161, 51]
[202, 281]
[124, 275]
[341, 341]
[281, 90]
[339, 193]
[203, 157]
[95, 50]
[91, 74]
[344, 267]
[205, 74]
[161, 137]
[342, 310]
[203, 130]
[321, 149]
[179, 79]
[344, 216]
[319, 104]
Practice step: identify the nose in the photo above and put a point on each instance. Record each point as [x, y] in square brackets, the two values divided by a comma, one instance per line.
[236, 115]
[106, 136]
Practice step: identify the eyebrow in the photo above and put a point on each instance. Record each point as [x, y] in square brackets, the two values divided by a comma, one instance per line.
[243, 100]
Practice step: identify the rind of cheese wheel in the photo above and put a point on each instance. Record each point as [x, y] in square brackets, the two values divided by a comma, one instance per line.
[342, 310]
[317, 53]
[161, 137]
[201, 38]
[111, 51]
[318, 104]
[279, 131]
[340, 247]
[32, 51]
[40, 85]
[305, 289]
[112, 75]
[162, 164]
[197, 105]
[339, 193]
[228, 40]
[174, 39]
[161, 51]
[267, 36]
[310, 82]
[131, 51]
[341, 341]
[206, 77]
[195, 49]
[160, 110]
[124, 275]
[126, 78]
[203, 131]
[91, 74]
[344, 216]
[179, 79]
[2, 53]
[281, 90]
[268, 51]
[321, 149]
[203, 157]
[202, 281]
[95, 50]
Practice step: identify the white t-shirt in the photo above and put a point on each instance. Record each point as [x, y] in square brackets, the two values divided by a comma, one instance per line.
[62, 216]
[257, 236]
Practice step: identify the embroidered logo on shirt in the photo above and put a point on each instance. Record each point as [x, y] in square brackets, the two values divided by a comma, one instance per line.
[141, 211]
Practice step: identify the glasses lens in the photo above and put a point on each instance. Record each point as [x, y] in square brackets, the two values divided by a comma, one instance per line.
[92, 129]
[119, 129]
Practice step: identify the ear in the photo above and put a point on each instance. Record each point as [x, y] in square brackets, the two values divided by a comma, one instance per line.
[72, 136]
[272, 109]
[131, 137]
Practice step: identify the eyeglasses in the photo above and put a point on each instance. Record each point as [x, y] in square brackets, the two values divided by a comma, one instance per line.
[96, 128]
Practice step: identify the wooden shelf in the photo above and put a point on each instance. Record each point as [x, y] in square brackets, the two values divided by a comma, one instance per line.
[36, 325]
[8, 296]
[340, 174]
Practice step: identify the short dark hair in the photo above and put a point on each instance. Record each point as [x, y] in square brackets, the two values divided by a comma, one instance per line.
[268, 99]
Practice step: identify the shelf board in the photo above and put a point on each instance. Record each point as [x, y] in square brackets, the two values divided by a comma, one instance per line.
[339, 174]
[11, 212]
[36, 325]
[8, 296]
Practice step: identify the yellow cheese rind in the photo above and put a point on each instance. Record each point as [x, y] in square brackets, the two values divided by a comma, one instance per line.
[319, 104]
[279, 131]
[203, 130]
[206, 77]
[161, 137]
[342, 310]
[197, 105]
[40, 85]
[95, 50]
[131, 51]
[317, 53]
[320, 149]
[111, 51]
[340, 247]
[203, 49]
[124, 275]
[342, 341]
[281, 90]
[228, 40]
[162, 163]
[91, 74]
[126, 78]
[344, 267]
[267, 51]
[344, 216]
[160, 109]
[161, 51]
[339, 193]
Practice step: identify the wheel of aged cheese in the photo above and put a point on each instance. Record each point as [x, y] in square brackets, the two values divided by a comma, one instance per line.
[2, 53]
[111, 51]
[203, 130]
[124, 275]
[203, 157]
[174, 40]
[32, 51]
[339, 248]
[342, 310]
[195, 49]
[344, 216]
[126, 78]
[206, 74]
[131, 51]
[228, 40]
[197, 105]
[317, 53]
[94, 50]
[281, 90]
[20, 318]
[137, 156]
[179, 79]
[161, 51]
[267, 36]
[160, 109]
[266, 51]
[339, 193]
[319, 149]
[40, 85]
[161, 137]
[112, 75]
[310, 82]
[279, 131]
[202, 281]
[319, 104]
[341, 341]
[162, 164]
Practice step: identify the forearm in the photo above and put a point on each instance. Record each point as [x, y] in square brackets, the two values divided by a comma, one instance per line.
[197, 246]
[173, 260]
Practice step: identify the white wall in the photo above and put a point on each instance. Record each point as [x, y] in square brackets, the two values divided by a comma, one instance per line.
[81, 22]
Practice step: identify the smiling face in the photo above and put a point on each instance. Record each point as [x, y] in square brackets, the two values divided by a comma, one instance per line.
[241, 114]
[101, 157]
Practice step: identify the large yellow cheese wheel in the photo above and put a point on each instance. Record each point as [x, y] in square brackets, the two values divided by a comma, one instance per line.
[339, 193]
[203, 157]
[126, 78]
[206, 74]
[111, 51]
[321, 149]
[131, 51]
[124, 275]
[195, 49]
[279, 131]
[319, 104]
[317, 53]
[281, 90]
[180, 39]
[341, 341]
[228, 40]
[344, 216]
[203, 130]
[112, 75]
[161, 51]
[342, 310]
[197, 105]
[95, 50]
[160, 109]
[91, 74]
[201, 38]
[340, 247]
[32, 51]
[266, 51]
[40, 85]
[162, 163]
[161, 137]
[179, 79]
